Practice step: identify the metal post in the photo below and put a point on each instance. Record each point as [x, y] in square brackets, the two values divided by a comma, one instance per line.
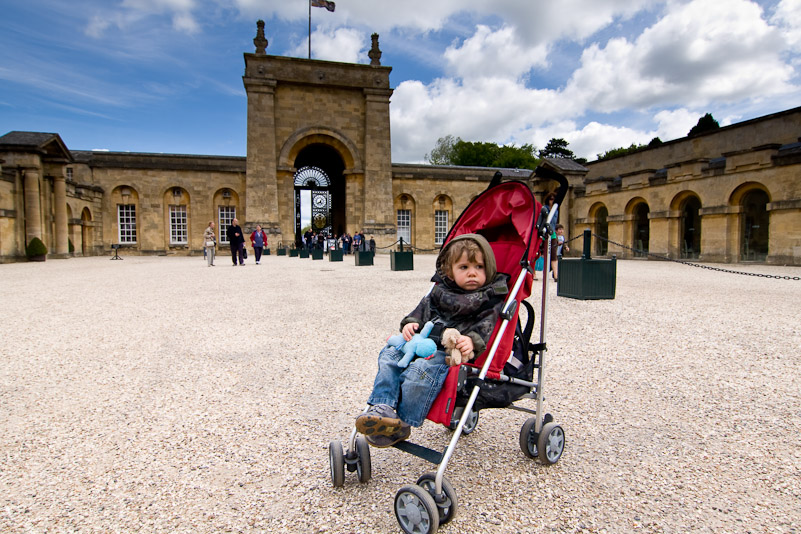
[587, 245]
[401, 244]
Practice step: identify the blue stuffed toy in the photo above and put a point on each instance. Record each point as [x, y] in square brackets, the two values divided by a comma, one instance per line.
[419, 345]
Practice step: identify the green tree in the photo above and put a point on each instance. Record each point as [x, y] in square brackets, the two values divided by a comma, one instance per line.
[442, 154]
[556, 148]
[451, 150]
[707, 123]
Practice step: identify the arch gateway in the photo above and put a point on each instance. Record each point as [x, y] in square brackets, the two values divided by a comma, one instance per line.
[321, 130]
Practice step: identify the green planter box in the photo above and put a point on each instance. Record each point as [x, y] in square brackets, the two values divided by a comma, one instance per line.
[280, 252]
[317, 254]
[293, 253]
[363, 257]
[304, 253]
[584, 279]
[335, 255]
[266, 251]
[401, 261]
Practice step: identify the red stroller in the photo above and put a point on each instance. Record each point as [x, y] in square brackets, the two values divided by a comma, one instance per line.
[515, 225]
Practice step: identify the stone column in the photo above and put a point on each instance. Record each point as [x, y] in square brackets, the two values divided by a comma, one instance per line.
[261, 193]
[60, 201]
[33, 211]
[378, 213]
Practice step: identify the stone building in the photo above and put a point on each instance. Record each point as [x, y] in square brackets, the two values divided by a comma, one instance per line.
[321, 129]
[729, 195]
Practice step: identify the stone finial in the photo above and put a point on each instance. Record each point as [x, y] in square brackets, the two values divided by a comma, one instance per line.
[374, 54]
[260, 41]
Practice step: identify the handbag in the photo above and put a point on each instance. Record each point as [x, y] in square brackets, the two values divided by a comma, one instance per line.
[245, 253]
[539, 264]
[209, 243]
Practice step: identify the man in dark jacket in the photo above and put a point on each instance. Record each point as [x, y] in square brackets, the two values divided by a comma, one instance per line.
[237, 241]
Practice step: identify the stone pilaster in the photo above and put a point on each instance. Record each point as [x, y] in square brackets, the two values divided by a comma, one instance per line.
[33, 211]
[261, 194]
[60, 208]
[378, 213]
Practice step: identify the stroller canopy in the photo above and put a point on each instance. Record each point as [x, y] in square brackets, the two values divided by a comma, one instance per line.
[505, 214]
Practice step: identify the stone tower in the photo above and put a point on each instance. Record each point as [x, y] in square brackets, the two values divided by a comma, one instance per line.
[321, 126]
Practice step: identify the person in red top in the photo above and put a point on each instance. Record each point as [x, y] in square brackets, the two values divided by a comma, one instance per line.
[258, 240]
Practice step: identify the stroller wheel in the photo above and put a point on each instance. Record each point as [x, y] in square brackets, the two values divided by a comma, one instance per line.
[364, 468]
[416, 510]
[551, 443]
[447, 508]
[336, 459]
[469, 425]
[528, 438]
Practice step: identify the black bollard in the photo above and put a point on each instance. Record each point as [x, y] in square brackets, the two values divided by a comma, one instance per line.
[587, 245]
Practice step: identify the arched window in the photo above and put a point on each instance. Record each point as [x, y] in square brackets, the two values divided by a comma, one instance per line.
[601, 231]
[642, 229]
[311, 177]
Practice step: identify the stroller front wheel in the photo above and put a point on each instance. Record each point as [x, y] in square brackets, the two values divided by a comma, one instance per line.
[551, 443]
[416, 510]
[364, 468]
[447, 508]
[528, 438]
[336, 460]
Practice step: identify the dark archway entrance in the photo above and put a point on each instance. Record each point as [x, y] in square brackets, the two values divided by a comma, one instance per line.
[642, 229]
[601, 231]
[320, 169]
[755, 229]
[691, 228]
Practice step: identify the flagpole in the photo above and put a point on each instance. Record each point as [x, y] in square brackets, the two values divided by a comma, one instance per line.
[309, 29]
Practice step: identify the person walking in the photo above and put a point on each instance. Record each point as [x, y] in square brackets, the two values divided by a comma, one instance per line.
[237, 241]
[209, 244]
[258, 240]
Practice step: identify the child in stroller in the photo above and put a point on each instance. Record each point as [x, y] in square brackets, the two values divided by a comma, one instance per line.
[468, 296]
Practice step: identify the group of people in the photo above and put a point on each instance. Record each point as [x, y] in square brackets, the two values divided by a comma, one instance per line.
[236, 240]
[348, 243]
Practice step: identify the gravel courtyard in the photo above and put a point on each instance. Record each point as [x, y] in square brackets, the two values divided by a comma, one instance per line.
[156, 394]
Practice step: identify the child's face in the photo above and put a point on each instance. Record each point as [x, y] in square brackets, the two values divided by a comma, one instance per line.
[469, 275]
[560, 231]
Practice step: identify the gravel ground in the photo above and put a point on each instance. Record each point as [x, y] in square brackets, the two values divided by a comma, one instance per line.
[160, 395]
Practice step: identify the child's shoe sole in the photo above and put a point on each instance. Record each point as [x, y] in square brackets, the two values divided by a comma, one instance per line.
[376, 425]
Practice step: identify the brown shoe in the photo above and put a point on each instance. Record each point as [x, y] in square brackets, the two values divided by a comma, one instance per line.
[379, 420]
[383, 442]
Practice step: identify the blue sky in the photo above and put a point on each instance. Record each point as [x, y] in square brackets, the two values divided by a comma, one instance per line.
[166, 75]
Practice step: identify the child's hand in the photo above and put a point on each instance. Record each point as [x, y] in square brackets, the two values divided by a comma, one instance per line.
[465, 346]
[409, 330]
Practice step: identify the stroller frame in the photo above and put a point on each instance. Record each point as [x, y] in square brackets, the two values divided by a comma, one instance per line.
[431, 502]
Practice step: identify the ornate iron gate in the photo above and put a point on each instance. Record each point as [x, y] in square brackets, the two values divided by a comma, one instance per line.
[317, 181]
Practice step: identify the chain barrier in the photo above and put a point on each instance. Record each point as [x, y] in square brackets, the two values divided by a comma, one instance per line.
[691, 264]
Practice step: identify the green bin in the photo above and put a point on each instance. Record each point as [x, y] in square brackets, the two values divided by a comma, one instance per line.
[401, 261]
[586, 278]
[317, 254]
[335, 255]
[304, 253]
[280, 251]
[363, 257]
[293, 253]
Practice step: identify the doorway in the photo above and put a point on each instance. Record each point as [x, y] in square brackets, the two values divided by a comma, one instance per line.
[755, 226]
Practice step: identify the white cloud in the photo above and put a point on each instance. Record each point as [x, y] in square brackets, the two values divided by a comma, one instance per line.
[494, 54]
[596, 138]
[672, 124]
[700, 52]
[342, 44]
[788, 18]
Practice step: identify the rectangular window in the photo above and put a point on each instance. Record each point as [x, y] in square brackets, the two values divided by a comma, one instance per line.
[227, 215]
[69, 173]
[178, 225]
[440, 226]
[126, 221]
[405, 225]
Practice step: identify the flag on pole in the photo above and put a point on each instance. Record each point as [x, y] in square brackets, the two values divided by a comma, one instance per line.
[330, 6]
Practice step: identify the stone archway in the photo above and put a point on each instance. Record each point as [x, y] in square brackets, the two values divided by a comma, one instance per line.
[320, 170]
[641, 228]
[754, 226]
[86, 232]
[690, 228]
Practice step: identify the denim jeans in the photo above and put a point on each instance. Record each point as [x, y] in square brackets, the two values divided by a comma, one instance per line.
[410, 391]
